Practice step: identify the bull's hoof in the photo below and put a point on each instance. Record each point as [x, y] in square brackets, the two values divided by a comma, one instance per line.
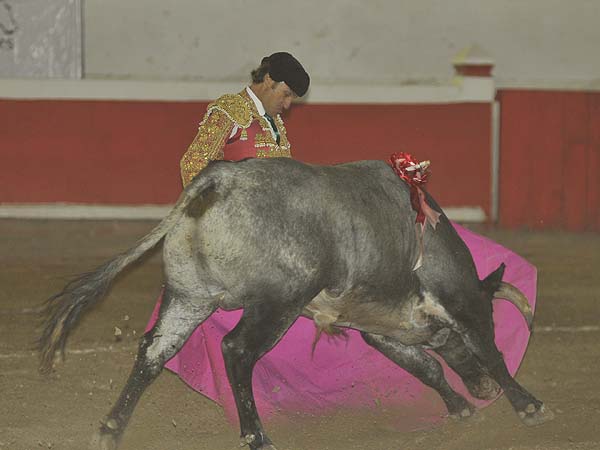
[533, 415]
[465, 413]
[250, 441]
[459, 408]
[103, 441]
[107, 437]
[263, 447]
[485, 389]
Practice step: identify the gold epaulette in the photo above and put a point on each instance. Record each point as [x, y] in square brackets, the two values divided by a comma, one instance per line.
[235, 107]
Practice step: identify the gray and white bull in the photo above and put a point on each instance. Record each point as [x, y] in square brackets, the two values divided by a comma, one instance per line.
[281, 239]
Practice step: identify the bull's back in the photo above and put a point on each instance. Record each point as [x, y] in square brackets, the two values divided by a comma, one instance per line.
[333, 224]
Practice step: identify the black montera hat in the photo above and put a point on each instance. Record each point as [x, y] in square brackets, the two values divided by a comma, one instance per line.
[284, 67]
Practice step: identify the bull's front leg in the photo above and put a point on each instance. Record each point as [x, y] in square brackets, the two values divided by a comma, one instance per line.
[423, 366]
[530, 410]
[477, 380]
[259, 329]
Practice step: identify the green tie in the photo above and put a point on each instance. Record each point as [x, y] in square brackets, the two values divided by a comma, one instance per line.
[272, 122]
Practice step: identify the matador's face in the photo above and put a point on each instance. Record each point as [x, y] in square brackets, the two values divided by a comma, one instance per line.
[277, 98]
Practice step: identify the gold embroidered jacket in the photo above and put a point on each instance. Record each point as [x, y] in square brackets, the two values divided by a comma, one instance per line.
[213, 138]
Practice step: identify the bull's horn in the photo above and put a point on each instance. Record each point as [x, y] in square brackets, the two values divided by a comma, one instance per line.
[511, 293]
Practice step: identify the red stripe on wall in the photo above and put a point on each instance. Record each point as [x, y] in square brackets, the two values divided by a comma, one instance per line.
[593, 164]
[456, 138]
[119, 152]
[94, 151]
[549, 163]
[575, 151]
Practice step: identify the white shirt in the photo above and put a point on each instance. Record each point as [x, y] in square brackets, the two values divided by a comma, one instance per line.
[261, 110]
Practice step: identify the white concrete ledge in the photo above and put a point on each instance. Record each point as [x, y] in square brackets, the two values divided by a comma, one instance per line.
[550, 85]
[70, 211]
[66, 211]
[459, 90]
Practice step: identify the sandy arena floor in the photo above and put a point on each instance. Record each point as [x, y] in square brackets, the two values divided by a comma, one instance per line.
[562, 364]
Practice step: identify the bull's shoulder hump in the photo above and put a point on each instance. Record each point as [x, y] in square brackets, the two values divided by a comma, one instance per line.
[287, 168]
[376, 168]
[366, 164]
[235, 107]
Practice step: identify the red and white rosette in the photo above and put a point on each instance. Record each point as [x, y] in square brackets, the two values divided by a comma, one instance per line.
[415, 174]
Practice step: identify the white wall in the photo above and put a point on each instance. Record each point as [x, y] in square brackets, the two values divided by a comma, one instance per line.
[532, 41]
[40, 39]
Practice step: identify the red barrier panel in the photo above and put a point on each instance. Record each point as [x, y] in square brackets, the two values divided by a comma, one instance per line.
[94, 151]
[455, 137]
[550, 164]
[127, 152]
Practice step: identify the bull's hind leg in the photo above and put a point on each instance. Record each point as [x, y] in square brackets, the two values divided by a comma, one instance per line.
[477, 380]
[423, 366]
[178, 318]
[259, 329]
[478, 335]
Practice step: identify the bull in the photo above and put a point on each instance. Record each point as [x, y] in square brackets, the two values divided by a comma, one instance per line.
[337, 244]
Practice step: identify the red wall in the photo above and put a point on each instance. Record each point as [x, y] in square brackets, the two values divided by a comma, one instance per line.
[455, 137]
[93, 151]
[127, 152]
[550, 160]
[117, 152]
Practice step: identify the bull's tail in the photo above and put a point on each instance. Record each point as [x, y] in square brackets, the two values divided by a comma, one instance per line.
[502, 290]
[63, 310]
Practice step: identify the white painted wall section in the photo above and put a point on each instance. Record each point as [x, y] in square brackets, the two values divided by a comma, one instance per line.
[549, 43]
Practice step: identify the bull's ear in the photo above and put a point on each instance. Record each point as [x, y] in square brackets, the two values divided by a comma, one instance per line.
[491, 283]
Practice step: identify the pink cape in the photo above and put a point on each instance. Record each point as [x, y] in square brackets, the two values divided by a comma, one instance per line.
[348, 373]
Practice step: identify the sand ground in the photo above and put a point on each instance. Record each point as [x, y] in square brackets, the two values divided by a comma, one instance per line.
[561, 367]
